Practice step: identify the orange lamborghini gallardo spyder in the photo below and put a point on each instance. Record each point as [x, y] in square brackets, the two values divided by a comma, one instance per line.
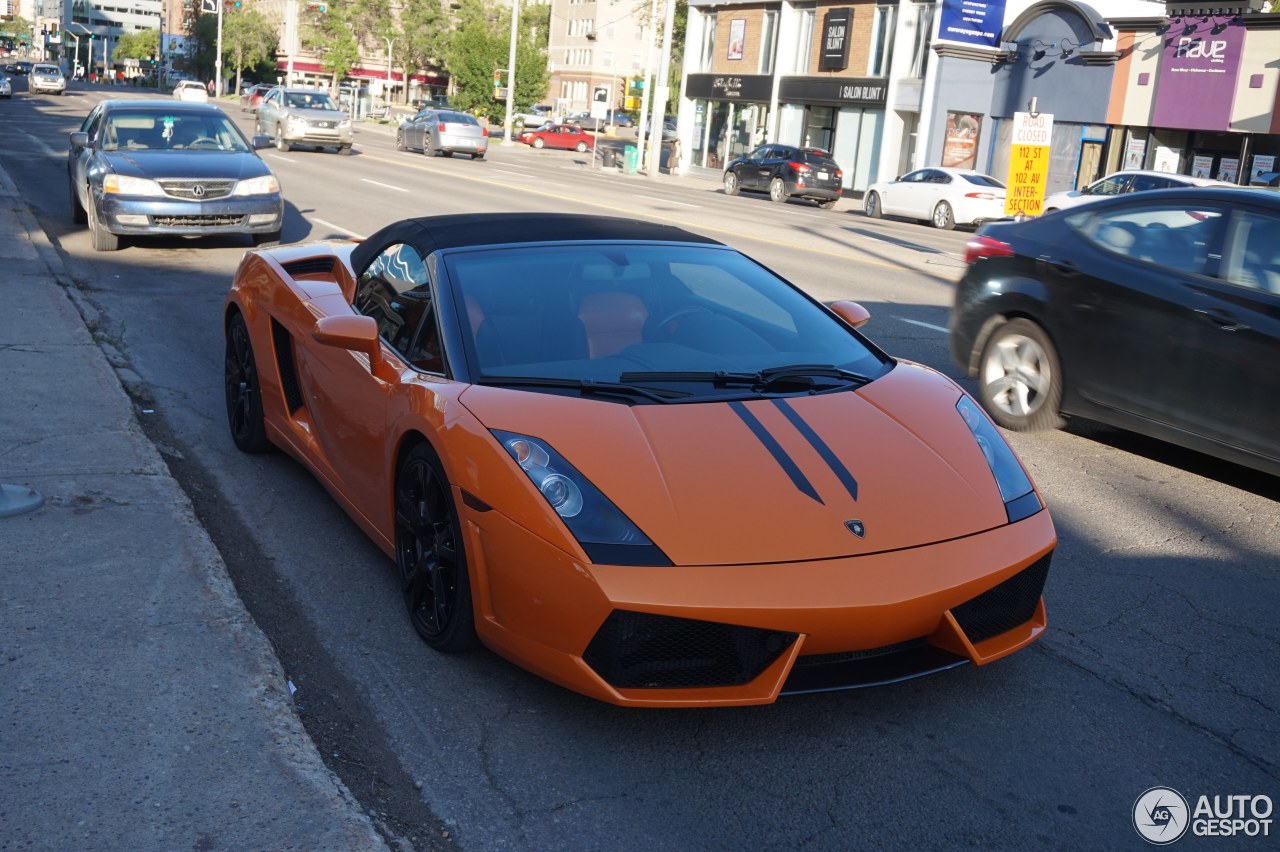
[634, 461]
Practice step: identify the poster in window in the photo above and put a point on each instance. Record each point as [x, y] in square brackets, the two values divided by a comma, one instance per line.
[1135, 153]
[1262, 164]
[737, 37]
[960, 147]
[1229, 169]
[1201, 166]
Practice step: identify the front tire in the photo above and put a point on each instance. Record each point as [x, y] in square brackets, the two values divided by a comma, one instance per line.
[400, 146]
[872, 206]
[581, 148]
[282, 144]
[943, 218]
[345, 150]
[243, 391]
[777, 191]
[77, 209]
[103, 240]
[430, 554]
[268, 239]
[538, 143]
[731, 186]
[1019, 378]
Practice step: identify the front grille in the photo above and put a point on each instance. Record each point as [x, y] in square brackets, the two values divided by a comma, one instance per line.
[870, 667]
[197, 189]
[636, 650]
[1003, 607]
[197, 221]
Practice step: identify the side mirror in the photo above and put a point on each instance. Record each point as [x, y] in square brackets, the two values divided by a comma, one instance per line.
[260, 140]
[79, 139]
[851, 312]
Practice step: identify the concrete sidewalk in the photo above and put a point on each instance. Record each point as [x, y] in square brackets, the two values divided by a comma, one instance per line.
[141, 707]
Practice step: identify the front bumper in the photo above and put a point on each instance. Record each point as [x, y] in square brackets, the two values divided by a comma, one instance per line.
[328, 137]
[745, 634]
[246, 215]
[58, 88]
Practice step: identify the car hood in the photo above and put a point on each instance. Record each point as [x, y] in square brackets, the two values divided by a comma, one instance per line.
[776, 479]
[317, 114]
[211, 165]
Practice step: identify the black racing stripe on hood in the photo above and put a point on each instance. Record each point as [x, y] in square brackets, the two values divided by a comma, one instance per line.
[771, 444]
[833, 461]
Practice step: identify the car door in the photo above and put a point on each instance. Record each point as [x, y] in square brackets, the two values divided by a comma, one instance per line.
[268, 111]
[899, 197]
[80, 159]
[416, 130]
[1125, 293]
[937, 186]
[749, 176]
[350, 403]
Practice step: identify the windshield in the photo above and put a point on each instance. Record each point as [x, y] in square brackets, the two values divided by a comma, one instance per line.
[155, 130]
[619, 312]
[310, 100]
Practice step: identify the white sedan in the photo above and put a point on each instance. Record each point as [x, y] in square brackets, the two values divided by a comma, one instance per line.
[191, 90]
[945, 196]
[1130, 180]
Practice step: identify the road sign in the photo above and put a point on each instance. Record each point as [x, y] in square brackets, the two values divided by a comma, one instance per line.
[209, 6]
[600, 102]
[1028, 163]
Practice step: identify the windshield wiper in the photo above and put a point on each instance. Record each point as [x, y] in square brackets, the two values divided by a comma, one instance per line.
[587, 387]
[803, 376]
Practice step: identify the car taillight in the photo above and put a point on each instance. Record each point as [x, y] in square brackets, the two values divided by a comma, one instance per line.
[839, 174]
[985, 196]
[442, 127]
[980, 247]
[801, 168]
[484, 131]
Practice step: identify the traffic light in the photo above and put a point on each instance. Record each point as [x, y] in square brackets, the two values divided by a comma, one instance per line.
[317, 7]
[152, 59]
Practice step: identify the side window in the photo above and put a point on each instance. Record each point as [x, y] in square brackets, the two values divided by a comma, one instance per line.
[1142, 183]
[1182, 238]
[394, 291]
[92, 123]
[1252, 258]
[1113, 185]
[915, 177]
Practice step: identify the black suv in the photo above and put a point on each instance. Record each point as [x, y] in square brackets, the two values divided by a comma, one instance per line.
[786, 171]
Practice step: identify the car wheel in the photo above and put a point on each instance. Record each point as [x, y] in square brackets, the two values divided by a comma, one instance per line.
[400, 146]
[731, 183]
[777, 190]
[943, 217]
[430, 554]
[244, 393]
[827, 204]
[581, 147]
[537, 142]
[477, 156]
[872, 206]
[267, 239]
[1019, 380]
[281, 143]
[77, 209]
[345, 150]
[103, 240]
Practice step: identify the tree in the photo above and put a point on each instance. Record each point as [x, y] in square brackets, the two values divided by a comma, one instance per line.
[424, 36]
[248, 39]
[143, 45]
[330, 34]
[480, 46]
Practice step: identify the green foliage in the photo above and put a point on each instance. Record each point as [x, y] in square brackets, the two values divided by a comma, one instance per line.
[481, 44]
[424, 35]
[137, 45]
[248, 39]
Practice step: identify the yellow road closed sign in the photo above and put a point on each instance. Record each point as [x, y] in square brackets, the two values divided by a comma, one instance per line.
[1028, 164]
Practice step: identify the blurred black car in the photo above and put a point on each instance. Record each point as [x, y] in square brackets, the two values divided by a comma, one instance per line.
[169, 167]
[1154, 312]
[785, 171]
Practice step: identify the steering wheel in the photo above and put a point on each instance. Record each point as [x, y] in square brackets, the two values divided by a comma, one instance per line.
[661, 326]
[204, 142]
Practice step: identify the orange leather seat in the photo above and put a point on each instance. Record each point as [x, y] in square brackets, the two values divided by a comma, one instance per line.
[612, 321]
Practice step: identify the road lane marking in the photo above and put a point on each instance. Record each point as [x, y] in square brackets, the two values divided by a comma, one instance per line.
[667, 201]
[384, 185]
[337, 228]
[925, 325]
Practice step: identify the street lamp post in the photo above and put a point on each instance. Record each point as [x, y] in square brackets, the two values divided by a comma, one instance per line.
[390, 88]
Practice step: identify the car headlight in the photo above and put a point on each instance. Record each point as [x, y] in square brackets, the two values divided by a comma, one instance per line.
[608, 536]
[294, 119]
[265, 185]
[1020, 499]
[344, 124]
[126, 185]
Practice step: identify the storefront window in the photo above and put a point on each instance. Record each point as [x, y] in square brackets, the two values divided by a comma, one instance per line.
[707, 55]
[804, 41]
[820, 127]
[724, 130]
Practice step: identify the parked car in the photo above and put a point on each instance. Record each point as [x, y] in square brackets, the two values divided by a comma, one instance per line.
[447, 132]
[252, 96]
[1155, 312]
[22, 67]
[634, 397]
[944, 196]
[47, 78]
[6, 88]
[304, 117]
[191, 92]
[569, 136]
[588, 122]
[785, 171]
[160, 167]
[1120, 183]
[534, 117]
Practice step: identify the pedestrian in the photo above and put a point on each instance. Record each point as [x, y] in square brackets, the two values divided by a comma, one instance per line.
[673, 159]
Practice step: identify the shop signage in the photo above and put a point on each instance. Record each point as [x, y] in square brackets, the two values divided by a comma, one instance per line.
[848, 91]
[1198, 69]
[729, 87]
[1028, 164]
[835, 40]
[972, 21]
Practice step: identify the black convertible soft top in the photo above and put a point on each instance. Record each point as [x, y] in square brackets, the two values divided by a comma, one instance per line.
[431, 233]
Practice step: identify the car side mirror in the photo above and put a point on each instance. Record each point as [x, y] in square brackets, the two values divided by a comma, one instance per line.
[851, 312]
[358, 334]
[261, 140]
[79, 139]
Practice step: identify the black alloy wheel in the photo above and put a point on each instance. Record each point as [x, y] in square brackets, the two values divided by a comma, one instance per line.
[244, 393]
[430, 554]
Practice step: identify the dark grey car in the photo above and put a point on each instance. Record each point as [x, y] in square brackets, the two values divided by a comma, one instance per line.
[162, 167]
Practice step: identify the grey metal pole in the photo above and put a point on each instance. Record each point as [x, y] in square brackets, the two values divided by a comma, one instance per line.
[511, 72]
[661, 91]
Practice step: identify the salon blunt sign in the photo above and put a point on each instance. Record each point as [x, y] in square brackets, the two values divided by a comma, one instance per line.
[1028, 163]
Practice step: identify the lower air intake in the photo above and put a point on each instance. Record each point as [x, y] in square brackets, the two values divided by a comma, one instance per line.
[636, 650]
[1003, 607]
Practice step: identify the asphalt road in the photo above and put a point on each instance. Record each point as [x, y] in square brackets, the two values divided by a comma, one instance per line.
[1161, 665]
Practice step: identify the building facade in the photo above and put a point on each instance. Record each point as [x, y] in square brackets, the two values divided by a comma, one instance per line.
[593, 44]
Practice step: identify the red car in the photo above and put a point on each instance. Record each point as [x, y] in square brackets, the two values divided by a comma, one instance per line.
[252, 96]
[559, 136]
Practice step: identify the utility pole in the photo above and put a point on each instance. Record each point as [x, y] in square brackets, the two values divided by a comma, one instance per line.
[646, 125]
[390, 83]
[511, 72]
[217, 59]
[661, 91]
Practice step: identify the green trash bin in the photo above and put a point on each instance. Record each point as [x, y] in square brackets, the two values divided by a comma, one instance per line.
[632, 154]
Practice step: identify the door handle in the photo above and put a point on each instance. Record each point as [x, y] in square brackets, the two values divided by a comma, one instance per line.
[1221, 318]
[1062, 267]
